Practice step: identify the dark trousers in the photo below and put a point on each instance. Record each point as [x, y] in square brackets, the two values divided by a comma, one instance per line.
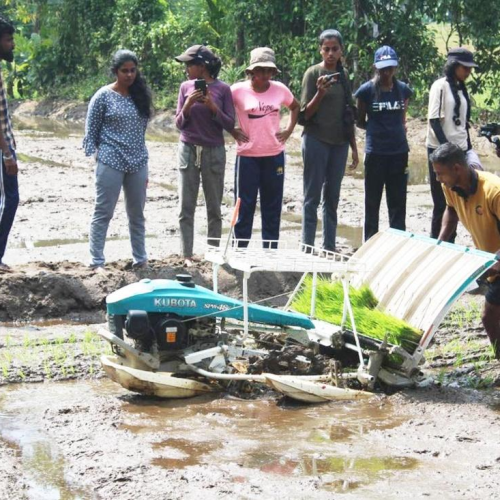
[439, 202]
[265, 176]
[390, 171]
[9, 200]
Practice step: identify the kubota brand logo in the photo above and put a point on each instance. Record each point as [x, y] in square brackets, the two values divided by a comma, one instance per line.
[175, 303]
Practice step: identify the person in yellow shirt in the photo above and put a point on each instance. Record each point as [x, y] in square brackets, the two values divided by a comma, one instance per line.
[473, 197]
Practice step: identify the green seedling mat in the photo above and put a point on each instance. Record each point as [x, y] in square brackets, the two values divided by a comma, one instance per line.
[370, 321]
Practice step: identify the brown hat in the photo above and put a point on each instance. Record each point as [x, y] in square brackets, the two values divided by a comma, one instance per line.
[262, 57]
[198, 53]
[462, 56]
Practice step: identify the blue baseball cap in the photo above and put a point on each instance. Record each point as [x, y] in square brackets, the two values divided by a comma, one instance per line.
[384, 57]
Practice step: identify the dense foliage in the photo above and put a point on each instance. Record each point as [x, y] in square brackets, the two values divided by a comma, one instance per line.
[63, 46]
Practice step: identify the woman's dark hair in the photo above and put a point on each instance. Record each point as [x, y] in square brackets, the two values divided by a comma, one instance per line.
[6, 27]
[139, 90]
[376, 84]
[329, 34]
[213, 67]
[449, 73]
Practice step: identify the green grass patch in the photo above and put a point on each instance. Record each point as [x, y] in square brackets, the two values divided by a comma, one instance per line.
[369, 320]
[59, 357]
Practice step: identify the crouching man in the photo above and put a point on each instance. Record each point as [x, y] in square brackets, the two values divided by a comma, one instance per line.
[473, 197]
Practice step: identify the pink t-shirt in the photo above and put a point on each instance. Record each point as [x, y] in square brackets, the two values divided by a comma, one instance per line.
[259, 117]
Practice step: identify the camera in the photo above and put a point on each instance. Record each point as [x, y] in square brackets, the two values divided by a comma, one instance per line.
[491, 131]
[201, 84]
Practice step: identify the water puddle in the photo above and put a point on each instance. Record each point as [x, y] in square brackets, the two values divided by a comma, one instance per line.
[292, 440]
[45, 323]
[28, 244]
[166, 185]
[43, 465]
[35, 159]
[336, 473]
[288, 440]
[181, 453]
[159, 135]
[38, 125]
[419, 170]
[352, 234]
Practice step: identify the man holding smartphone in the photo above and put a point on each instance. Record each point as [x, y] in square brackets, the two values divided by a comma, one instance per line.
[9, 191]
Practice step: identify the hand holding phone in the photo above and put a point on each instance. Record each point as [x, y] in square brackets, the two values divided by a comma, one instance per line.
[332, 77]
[201, 84]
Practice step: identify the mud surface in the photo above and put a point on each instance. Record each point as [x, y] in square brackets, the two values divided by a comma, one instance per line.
[94, 440]
[76, 435]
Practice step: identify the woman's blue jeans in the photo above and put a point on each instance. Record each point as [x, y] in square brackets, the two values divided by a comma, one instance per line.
[324, 168]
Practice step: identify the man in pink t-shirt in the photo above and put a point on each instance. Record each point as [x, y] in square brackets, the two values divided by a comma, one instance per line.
[260, 161]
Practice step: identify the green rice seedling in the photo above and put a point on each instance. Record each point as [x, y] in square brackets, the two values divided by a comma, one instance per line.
[88, 336]
[459, 360]
[477, 382]
[441, 377]
[72, 339]
[8, 341]
[369, 321]
[5, 370]
[47, 369]
[7, 356]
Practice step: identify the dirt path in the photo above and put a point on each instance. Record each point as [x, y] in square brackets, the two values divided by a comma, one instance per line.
[87, 438]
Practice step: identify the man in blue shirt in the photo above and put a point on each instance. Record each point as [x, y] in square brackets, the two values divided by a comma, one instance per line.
[9, 191]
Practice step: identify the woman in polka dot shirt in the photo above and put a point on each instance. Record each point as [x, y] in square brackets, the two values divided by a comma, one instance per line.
[115, 132]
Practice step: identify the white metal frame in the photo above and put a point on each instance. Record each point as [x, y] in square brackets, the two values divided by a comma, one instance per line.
[250, 256]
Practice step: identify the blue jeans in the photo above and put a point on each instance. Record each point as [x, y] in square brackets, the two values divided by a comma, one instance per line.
[264, 175]
[108, 183]
[324, 168]
[9, 200]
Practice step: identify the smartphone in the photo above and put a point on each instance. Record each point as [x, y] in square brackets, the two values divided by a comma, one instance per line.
[201, 84]
[331, 76]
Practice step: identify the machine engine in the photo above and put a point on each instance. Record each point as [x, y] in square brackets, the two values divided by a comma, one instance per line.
[170, 332]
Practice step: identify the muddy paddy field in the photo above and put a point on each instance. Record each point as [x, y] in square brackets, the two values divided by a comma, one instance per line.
[67, 432]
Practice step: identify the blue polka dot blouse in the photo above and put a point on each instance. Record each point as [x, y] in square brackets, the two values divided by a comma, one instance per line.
[115, 129]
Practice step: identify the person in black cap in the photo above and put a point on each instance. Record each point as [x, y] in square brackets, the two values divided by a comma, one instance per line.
[384, 100]
[202, 116]
[448, 121]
